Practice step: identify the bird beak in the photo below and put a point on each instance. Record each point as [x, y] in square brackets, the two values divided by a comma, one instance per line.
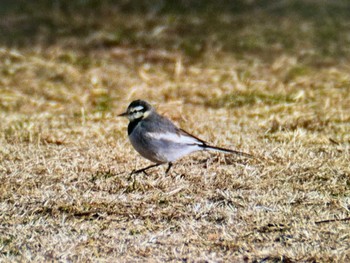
[123, 114]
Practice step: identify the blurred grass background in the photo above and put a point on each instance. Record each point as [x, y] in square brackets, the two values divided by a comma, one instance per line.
[302, 36]
[313, 29]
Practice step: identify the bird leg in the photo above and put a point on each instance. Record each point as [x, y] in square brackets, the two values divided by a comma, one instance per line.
[143, 170]
[168, 169]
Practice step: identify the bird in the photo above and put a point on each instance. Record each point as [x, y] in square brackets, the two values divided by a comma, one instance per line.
[159, 140]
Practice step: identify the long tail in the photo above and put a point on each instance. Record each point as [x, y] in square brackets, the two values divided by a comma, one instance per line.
[219, 149]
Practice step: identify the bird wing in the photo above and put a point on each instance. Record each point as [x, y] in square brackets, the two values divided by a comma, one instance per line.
[194, 138]
[160, 127]
[179, 136]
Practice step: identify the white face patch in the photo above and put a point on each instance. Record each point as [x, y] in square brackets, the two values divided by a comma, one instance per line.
[135, 115]
[138, 114]
[174, 137]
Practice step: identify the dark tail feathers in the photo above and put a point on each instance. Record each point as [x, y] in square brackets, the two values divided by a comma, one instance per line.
[219, 149]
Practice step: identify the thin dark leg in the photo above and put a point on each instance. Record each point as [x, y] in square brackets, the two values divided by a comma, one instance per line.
[143, 170]
[168, 169]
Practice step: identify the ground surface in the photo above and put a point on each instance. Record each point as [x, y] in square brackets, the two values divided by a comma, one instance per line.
[272, 80]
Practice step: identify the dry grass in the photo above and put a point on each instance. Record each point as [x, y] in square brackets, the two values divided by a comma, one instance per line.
[65, 157]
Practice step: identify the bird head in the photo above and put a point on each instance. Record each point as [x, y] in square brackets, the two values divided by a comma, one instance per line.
[138, 109]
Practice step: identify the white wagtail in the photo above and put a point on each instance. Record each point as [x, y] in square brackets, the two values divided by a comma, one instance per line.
[157, 139]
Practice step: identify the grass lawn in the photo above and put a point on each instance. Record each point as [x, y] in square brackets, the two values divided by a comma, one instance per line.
[271, 79]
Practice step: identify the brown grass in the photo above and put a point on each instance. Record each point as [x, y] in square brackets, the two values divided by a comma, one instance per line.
[65, 157]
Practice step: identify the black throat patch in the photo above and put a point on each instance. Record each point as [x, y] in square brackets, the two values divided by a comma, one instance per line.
[132, 125]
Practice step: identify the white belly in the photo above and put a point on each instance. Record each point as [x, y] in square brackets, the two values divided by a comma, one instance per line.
[158, 149]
